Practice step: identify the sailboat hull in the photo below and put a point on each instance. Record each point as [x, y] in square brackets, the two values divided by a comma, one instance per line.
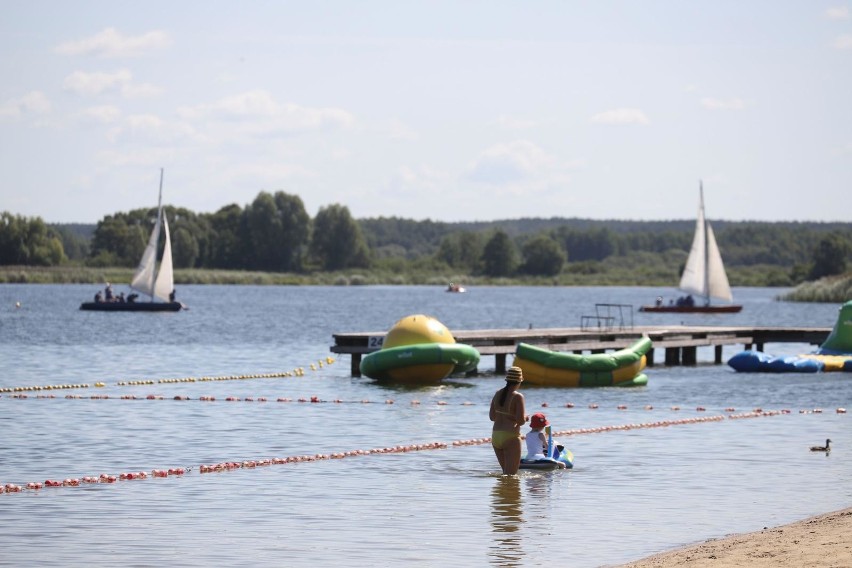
[132, 306]
[726, 309]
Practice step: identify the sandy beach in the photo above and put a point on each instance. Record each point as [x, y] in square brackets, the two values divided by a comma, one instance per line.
[821, 541]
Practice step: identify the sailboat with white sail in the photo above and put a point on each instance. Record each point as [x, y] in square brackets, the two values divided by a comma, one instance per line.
[158, 285]
[703, 276]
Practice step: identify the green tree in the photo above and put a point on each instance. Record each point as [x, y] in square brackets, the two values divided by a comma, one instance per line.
[542, 256]
[184, 248]
[830, 256]
[462, 250]
[28, 242]
[499, 257]
[337, 241]
[119, 243]
[228, 238]
[278, 229]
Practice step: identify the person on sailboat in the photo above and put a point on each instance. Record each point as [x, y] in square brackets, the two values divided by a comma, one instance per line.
[108, 292]
[172, 295]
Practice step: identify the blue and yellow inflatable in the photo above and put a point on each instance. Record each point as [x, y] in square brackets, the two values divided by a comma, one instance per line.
[835, 354]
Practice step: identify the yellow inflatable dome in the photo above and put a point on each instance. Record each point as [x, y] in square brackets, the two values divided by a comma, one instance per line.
[417, 329]
[419, 348]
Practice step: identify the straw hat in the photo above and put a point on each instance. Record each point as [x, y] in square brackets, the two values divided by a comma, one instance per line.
[514, 375]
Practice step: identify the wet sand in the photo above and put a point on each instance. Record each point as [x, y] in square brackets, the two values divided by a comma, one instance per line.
[821, 541]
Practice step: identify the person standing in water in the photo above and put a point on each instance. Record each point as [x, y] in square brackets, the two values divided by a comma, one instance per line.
[508, 414]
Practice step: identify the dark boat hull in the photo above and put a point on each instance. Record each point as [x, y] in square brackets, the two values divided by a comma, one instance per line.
[132, 306]
[727, 309]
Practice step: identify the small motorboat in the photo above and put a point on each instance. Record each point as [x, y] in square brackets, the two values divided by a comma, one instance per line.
[455, 288]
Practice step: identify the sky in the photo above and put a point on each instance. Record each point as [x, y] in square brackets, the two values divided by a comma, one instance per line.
[465, 110]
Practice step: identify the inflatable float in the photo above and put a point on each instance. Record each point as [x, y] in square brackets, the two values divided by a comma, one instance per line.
[565, 458]
[559, 456]
[835, 354]
[551, 368]
[419, 348]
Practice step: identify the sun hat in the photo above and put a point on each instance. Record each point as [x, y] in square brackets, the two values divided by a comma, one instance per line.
[514, 375]
[538, 420]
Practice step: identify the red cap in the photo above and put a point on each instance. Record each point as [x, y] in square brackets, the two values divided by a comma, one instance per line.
[538, 420]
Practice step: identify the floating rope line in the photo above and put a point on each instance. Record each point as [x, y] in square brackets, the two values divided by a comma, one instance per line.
[297, 372]
[251, 464]
[318, 400]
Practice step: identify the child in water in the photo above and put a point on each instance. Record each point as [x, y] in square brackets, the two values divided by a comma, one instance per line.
[536, 440]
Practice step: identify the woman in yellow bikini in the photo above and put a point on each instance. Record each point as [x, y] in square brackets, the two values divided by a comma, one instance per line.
[508, 414]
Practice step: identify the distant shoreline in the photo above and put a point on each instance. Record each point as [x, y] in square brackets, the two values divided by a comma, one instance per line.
[834, 289]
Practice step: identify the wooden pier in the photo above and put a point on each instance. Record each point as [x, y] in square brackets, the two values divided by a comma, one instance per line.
[679, 343]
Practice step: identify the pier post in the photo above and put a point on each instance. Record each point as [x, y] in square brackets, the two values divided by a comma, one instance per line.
[717, 354]
[672, 356]
[649, 357]
[689, 355]
[355, 368]
[500, 363]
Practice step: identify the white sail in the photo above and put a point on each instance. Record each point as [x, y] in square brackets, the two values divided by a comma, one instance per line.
[165, 278]
[704, 274]
[146, 279]
[143, 279]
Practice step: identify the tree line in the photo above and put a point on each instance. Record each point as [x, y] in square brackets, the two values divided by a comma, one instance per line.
[274, 233]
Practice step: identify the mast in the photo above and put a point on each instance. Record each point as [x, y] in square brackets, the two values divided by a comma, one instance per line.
[706, 244]
[157, 237]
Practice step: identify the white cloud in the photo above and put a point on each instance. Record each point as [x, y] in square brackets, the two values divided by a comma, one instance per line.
[720, 104]
[34, 102]
[121, 81]
[140, 91]
[96, 83]
[111, 43]
[843, 42]
[418, 180]
[261, 113]
[151, 129]
[621, 116]
[513, 123]
[508, 163]
[101, 114]
[398, 130]
[837, 13]
[845, 150]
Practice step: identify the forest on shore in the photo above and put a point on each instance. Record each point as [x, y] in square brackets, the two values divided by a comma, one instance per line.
[274, 240]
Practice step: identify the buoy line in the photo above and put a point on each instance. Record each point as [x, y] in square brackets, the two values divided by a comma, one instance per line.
[251, 464]
[297, 372]
[318, 400]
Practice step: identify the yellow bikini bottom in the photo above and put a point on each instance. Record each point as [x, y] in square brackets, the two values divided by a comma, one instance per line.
[500, 437]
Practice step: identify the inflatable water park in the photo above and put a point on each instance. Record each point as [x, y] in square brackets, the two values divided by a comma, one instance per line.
[620, 368]
[835, 354]
[419, 348]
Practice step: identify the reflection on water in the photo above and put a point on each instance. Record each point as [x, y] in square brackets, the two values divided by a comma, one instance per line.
[506, 521]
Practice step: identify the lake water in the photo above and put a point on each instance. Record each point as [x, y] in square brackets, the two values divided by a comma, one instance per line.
[633, 492]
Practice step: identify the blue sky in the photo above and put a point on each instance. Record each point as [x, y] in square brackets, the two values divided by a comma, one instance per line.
[452, 111]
